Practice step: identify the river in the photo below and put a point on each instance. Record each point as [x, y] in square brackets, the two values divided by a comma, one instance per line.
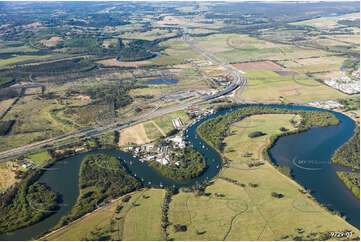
[314, 146]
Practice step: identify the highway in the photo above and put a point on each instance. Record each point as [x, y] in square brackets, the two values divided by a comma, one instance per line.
[239, 81]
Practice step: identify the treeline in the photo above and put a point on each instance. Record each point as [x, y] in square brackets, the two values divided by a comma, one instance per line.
[47, 69]
[349, 153]
[192, 164]
[350, 23]
[7, 93]
[101, 177]
[351, 180]
[26, 203]
[214, 130]
[5, 127]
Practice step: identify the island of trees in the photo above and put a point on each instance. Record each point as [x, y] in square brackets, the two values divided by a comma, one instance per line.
[101, 177]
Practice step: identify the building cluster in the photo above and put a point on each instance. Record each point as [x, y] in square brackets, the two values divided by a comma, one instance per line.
[329, 104]
[344, 83]
[222, 80]
[200, 63]
[161, 152]
[195, 111]
[165, 150]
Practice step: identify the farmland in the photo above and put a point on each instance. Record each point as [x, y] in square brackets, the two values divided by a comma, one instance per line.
[138, 219]
[270, 87]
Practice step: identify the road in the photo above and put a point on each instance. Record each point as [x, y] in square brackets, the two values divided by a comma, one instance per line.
[239, 81]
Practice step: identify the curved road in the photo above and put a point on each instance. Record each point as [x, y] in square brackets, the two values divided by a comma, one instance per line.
[240, 81]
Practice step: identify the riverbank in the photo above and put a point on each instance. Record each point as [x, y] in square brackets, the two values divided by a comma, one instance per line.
[239, 203]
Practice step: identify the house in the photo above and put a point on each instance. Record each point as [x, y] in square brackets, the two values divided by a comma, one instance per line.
[27, 165]
[163, 161]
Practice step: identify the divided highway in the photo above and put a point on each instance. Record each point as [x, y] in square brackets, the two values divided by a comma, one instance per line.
[240, 81]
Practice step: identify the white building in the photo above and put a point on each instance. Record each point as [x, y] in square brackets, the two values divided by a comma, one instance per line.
[178, 140]
[177, 123]
[163, 161]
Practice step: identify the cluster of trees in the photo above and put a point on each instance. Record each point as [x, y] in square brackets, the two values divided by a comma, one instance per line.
[199, 188]
[256, 134]
[5, 127]
[137, 49]
[101, 177]
[180, 228]
[105, 101]
[350, 23]
[48, 69]
[7, 93]
[277, 195]
[349, 153]
[233, 181]
[26, 204]
[352, 64]
[113, 96]
[350, 104]
[214, 130]
[351, 180]
[192, 164]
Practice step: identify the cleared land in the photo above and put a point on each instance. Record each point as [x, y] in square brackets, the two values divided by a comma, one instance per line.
[246, 212]
[40, 158]
[138, 219]
[7, 177]
[143, 221]
[114, 62]
[165, 122]
[135, 134]
[328, 22]
[270, 87]
[17, 59]
[233, 48]
[53, 41]
[264, 66]
[259, 66]
[151, 130]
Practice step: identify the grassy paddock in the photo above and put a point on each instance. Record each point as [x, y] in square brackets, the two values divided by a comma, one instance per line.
[139, 219]
[269, 87]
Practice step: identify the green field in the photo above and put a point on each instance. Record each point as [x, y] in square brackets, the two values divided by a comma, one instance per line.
[17, 59]
[268, 87]
[151, 131]
[165, 121]
[40, 158]
[139, 219]
[143, 221]
[233, 48]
